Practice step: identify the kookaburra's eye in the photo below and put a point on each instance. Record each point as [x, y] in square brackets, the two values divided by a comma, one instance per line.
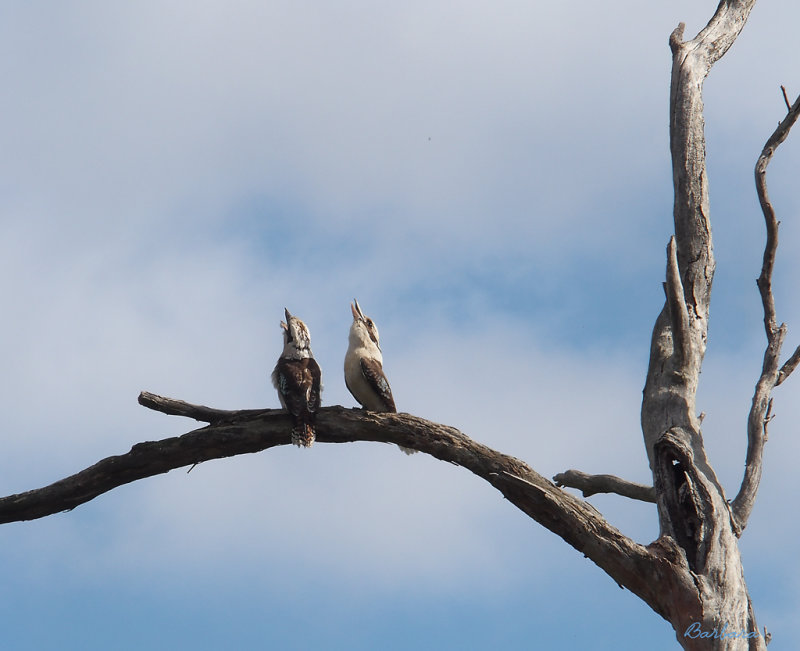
[369, 323]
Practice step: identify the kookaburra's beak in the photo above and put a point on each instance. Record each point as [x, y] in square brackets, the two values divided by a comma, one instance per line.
[355, 308]
[285, 326]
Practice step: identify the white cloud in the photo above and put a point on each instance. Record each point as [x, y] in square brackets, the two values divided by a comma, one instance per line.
[167, 117]
[172, 177]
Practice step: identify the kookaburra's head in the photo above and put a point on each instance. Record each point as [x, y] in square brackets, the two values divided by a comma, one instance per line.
[364, 332]
[296, 338]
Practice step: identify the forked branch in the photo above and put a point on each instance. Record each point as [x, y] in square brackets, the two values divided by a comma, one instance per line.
[772, 373]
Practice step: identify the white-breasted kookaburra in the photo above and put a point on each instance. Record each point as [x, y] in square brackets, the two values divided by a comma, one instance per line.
[363, 366]
[298, 379]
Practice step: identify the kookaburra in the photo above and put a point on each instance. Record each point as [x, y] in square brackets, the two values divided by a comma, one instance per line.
[298, 379]
[363, 366]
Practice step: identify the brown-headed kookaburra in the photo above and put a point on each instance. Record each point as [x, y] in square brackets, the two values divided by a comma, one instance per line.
[363, 366]
[298, 379]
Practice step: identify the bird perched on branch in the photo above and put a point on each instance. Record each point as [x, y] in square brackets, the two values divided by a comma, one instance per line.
[363, 366]
[298, 379]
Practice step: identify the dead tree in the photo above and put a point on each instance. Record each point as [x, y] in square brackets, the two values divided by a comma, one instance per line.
[692, 574]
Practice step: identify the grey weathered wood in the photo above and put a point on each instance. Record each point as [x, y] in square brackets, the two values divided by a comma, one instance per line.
[642, 569]
[692, 505]
[772, 374]
[592, 484]
[248, 431]
[692, 574]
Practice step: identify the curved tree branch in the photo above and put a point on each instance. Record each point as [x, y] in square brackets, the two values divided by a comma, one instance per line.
[592, 484]
[771, 373]
[246, 431]
[692, 574]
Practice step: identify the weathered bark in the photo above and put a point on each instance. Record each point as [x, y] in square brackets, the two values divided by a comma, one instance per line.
[692, 505]
[645, 570]
[592, 484]
[692, 574]
[772, 374]
[246, 431]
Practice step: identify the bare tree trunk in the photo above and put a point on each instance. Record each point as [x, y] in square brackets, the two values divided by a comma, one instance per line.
[692, 506]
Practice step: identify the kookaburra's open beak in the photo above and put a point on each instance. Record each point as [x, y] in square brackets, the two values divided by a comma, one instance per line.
[355, 308]
[285, 326]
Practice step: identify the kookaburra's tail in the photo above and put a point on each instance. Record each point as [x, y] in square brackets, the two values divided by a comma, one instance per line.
[303, 435]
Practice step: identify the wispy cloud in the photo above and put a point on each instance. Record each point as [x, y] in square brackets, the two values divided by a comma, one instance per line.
[491, 182]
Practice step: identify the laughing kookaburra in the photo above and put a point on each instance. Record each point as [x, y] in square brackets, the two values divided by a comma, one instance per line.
[363, 366]
[298, 379]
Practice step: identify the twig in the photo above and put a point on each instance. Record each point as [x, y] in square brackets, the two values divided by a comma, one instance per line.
[768, 419]
[198, 412]
[789, 366]
[591, 484]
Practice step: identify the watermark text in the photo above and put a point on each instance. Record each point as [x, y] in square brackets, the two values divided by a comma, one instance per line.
[695, 631]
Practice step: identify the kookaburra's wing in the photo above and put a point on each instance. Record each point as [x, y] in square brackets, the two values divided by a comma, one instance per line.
[372, 370]
[299, 382]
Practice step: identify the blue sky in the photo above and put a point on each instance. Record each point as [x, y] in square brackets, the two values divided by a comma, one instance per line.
[492, 181]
